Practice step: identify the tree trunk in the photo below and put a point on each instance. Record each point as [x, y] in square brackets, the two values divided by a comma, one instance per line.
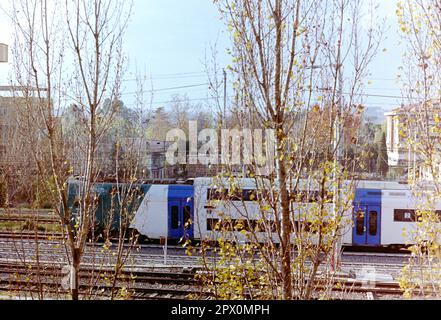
[75, 268]
[286, 222]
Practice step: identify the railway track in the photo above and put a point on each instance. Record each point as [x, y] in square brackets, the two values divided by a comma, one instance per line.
[153, 279]
[167, 283]
[56, 252]
[20, 214]
[46, 220]
[26, 224]
[351, 269]
[24, 211]
[30, 235]
[153, 255]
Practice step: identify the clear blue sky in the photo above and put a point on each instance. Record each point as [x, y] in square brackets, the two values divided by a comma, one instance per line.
[168, 40]
[172, 36]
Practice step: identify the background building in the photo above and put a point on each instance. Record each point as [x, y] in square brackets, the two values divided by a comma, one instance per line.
[397, 149]
[412, 131]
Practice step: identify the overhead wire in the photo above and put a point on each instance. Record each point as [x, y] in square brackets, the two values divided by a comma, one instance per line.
[201, 74]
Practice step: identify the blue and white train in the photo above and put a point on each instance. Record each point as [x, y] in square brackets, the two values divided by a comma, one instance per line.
[379, 213]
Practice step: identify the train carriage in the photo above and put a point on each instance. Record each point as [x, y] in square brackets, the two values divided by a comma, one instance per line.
[379, 213]
[166, 211]
[384, 214]
[111, 201]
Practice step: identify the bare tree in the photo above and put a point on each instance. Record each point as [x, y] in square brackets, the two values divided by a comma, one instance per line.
[69, 51]
[420, 24]
[278, 46]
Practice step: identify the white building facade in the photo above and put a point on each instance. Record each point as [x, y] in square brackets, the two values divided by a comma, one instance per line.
[398, 152]
[410, 132]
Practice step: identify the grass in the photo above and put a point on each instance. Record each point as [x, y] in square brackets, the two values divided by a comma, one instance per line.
[2, 209]
[17, 226]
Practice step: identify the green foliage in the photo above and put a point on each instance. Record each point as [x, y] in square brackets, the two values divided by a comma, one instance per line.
[421, 277]
[31, 226]
[3, 193]
[159, 125]
[240, 273]
[248, 253]
[44, 194]
[420, 25]
[382, 166]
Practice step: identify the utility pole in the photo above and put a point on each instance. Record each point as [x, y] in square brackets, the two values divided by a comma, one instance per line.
[225, 100]
[337, 158]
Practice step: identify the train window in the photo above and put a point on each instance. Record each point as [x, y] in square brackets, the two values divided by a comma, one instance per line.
[302, 226]
[239, 225]
[296, 226]
[312, 196]
[255, 195]
[174, 217]
[305, 196]
[187, 216]
[238, 195]
[250, 195]
[359, 222]
[220, 225]
[404, 215]
[259, 226]
[211, 224]
[329, 197]
[409, 215]
[217, 194]
[373, 223]
[76, 207]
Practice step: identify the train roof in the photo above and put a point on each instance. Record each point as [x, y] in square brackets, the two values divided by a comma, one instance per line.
[384, 185]
[225, 182]
[311, 184]
[112, 181]
[251, 183]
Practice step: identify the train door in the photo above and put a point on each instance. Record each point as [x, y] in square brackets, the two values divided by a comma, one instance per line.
[373, 225]
[187, 218]
[180, 216]
[366, 225]
[359, 232]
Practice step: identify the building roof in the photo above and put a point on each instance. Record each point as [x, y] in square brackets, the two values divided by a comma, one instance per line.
[410, 108]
